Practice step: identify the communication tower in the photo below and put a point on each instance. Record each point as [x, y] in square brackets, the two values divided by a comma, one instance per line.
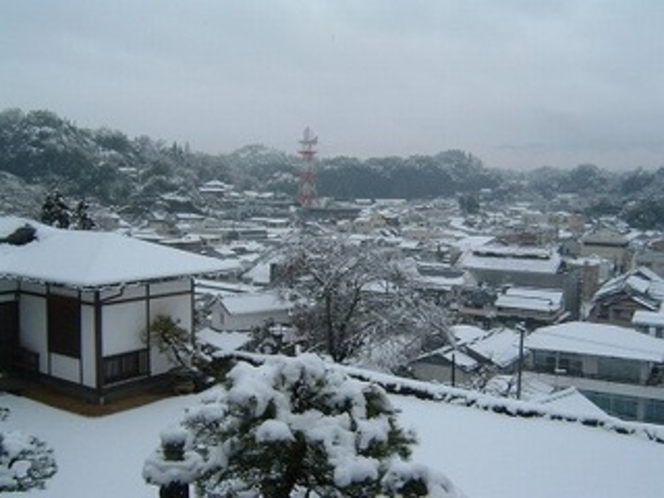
[307, 195]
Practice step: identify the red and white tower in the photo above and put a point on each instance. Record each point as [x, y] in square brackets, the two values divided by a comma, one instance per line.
[308, 196]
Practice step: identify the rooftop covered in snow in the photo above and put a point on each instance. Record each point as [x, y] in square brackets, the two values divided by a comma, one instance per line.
[86, 259]
[507, 258]
[597, 339]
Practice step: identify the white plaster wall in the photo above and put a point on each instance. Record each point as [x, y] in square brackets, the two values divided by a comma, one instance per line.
[122, 326]
[64, 367]
[131, 292]
[33, 327]
[88, 355]
[183, 285]
[177, 307]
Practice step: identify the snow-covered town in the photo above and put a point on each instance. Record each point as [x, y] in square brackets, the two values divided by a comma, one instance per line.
[548, 325]
[331, 249]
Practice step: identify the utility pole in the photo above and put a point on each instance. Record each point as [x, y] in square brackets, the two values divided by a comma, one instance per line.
[522, 332]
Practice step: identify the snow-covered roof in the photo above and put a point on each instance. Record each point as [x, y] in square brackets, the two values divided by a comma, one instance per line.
[641, 281]
[255, 303]
[642, 317]
[501, 347]
[514, 259]
[85, 259]
[597, 339]
[531, 299]
[224, 341]
[467, 333]
[570, 400]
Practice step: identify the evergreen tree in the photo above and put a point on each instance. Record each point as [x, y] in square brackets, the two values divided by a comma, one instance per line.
[55, 211]
[299, 427]
[82, 219]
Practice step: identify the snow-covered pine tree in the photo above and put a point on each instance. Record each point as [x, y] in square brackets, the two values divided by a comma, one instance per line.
[297, 427]
[82, 219]
[55, 211]
[26, 462]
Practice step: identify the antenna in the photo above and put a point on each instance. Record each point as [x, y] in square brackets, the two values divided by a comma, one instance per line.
[308, 196]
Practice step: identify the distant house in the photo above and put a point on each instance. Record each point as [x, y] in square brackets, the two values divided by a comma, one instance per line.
[619, 369]
[608, 244]
[619, 298]
[498, 266]
[652, 257]
[539, 306]
[523, 266]
[649, 322]
[244, 312]
[476, 352]
[74, 306]
[534, 307]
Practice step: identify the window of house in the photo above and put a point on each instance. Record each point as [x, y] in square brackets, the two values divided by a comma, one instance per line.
[544, 361]
[619, 370]
[64, 325]
[624, 407]
[125, 366]
[570, 364]
[654, 411]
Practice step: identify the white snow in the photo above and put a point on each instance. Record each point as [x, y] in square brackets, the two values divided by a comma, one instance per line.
[530, 299]
[485, 454]
[642, 317]
[262, 302]
[94, 259]
[501, 347]
[467, 333]
[597, 340]
[224, 341]
[517, 259]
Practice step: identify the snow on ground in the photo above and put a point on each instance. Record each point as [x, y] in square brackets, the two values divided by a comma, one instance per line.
[485, 454]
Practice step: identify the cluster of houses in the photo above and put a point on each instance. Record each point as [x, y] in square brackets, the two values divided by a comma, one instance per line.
[585, 302]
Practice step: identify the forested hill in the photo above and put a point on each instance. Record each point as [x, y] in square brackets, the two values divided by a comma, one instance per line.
[41, 147]
[45, 150]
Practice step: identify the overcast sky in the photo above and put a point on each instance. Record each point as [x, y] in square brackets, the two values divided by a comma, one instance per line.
[519, 83]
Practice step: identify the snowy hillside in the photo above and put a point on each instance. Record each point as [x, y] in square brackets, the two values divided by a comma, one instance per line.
[485, 454]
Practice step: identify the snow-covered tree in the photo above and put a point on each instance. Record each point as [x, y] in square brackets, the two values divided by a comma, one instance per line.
[296, 427]
[55, 211]
[357, 297]
[26, 462]
[81, 217]
[172, 340]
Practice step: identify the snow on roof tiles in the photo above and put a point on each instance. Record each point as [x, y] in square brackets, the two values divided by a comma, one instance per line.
[642, 317]
[87, 259]
[530, 299]
[500, 346]
[255, 303]
[596, 339]
[512, 259]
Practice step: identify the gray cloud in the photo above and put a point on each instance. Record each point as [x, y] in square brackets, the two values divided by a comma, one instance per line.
[578, 78]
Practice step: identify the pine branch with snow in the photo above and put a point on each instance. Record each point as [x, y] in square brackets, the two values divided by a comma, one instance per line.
[300, 427]
[26, 462]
